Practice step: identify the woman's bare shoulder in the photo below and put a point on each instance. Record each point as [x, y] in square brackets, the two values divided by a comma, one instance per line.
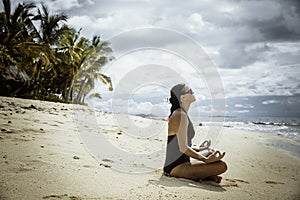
[178, 115]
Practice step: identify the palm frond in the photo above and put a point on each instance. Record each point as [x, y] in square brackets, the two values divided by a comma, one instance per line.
[95, 95]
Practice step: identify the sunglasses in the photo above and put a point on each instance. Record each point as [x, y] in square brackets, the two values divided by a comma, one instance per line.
[190, 91]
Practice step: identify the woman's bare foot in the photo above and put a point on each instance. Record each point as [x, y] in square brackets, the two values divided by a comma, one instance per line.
[216, 179]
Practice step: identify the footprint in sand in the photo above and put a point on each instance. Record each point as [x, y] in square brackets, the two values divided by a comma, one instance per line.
[232, 182]
[273, 182]
[237, 180]
[223, 183]
[63, 196]
[107, 161]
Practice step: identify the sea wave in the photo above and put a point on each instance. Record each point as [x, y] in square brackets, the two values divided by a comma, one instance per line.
[285, 127]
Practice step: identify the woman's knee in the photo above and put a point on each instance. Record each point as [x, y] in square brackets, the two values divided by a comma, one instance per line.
[222, 166]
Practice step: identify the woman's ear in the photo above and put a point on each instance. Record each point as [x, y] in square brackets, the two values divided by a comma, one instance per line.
[182, 98]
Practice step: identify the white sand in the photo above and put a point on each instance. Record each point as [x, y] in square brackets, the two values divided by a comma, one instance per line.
[44, 156]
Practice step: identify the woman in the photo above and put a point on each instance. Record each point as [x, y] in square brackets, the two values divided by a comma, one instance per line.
[180, 134]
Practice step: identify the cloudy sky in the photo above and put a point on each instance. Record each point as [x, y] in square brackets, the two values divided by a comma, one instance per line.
[254, 45]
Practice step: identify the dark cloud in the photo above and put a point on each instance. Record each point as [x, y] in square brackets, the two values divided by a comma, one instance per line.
[275, 20]
[288, 59]
[276, 29]
[237, 55]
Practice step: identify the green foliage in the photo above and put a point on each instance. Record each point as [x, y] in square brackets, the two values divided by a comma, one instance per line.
[95, 95]
[42, 58]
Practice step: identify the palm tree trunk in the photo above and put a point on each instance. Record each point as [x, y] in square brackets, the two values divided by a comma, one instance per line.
[65, 92]
[82, 99]
[70, 90]
[80, 93]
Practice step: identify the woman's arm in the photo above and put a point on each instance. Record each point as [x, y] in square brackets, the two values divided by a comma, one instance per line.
[183, 143]
[182, 137]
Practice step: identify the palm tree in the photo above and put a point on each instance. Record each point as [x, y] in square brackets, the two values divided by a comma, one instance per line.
[50, 31]
[16, 31]
[49, 57]
[50, 26]
[98, 56]
[16, 26]
[72, 50]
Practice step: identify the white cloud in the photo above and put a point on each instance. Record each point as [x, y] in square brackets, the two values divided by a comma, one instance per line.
[139, 107]
[90, 26]
[152, 67]
[195, 23]
[262, 78]
[269, 102]
[131, 106]
[243, 106]
[241, 111]
[111, 23]
[63, 4]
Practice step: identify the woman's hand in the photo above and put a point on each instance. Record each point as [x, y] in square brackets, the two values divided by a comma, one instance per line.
[205, 145]
[214, 157]
[207, 152]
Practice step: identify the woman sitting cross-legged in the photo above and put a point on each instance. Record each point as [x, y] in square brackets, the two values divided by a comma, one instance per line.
[179, 150]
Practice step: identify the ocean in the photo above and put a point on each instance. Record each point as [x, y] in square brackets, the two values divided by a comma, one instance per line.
[286, 127]
[281, 126]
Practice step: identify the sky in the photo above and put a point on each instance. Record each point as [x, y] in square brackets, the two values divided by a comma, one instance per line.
[253, 45]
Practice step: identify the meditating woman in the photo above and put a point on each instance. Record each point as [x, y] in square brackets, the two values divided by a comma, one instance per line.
[179, 150]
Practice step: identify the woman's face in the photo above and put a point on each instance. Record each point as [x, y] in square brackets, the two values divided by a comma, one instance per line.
[188, 94]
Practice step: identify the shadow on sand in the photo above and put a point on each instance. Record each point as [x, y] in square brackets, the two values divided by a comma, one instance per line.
[180, 182]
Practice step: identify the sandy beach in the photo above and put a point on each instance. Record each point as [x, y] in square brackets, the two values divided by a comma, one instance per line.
[44, 156]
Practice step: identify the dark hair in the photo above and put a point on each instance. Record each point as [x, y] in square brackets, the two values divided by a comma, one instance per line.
[176, 92]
